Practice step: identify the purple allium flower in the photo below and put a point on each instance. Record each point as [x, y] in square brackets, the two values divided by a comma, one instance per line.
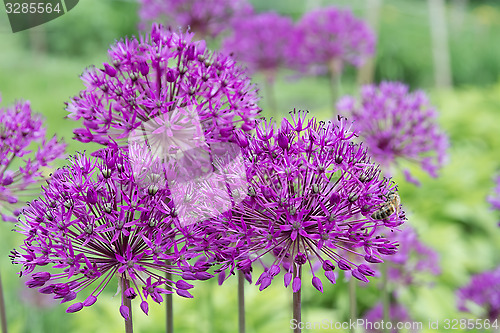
[332, 35]
[20, 169]
[261, 41]
[94, 222]
[207, 18]
[396, 124]
[413, 257]
[162, 72]
[397, 314]
[484, 291]
[311, 194]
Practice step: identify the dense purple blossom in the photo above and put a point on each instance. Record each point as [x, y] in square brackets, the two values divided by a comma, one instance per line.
[311, 195]
[413, 258]
[94, 222]
[330, 35]
[160, 73]
[483, 290]
[21, 168]
[207, 18]
[261, 41]
[396, 124]
[397, 314]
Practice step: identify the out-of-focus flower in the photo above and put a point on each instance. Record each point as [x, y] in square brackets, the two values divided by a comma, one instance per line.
[163, 72]
[261, 41]
[484, 291]
[207, 18]
[21, 169]
[94, 222]
[331, 37]
[413, 258]
[396, 124]
[397, 314]
[312, 192]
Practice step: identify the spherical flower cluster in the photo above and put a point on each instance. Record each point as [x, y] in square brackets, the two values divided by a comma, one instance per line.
[396, 124]
[207, 18]
[94, 222]
[20, 169]
[261, 41]
[161, 72]
[312, 193]
[397, 315]
[412, 258]
[327, 35]
[483, 290]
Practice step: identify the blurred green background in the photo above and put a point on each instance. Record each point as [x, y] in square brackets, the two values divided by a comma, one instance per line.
[450, 213]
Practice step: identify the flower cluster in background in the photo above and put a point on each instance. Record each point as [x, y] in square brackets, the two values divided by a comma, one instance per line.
[21, 168]
[207, 18]
[484, 291]
[397, 124]
[331, 37]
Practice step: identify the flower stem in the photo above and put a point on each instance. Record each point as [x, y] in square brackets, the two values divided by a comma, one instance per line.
[169, 305]
[297, 272]
[353, 312]
[241, 302]
[3, 317]
[271, 97]
[385, 296]
[129, 327]
[335, 68]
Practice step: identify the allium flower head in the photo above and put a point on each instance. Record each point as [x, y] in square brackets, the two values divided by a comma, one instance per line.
[207, 18]
[397, 124]
[331, 34]
[94, 222]
[261, 41]
[397, 314]
[483, 290]
[312, 192]
[20, 168]
[159, 73]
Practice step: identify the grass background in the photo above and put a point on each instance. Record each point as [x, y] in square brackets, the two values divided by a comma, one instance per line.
[450, 213]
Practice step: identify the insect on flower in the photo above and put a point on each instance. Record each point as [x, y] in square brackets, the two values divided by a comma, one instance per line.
[390, 206]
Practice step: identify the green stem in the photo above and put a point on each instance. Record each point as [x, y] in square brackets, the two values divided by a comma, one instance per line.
[241, 302]
[270, 94]
[129, 327]
[335, 68]
[297, 272]
[169, 305]
[385, 296]
[3, 317]
[353, 312]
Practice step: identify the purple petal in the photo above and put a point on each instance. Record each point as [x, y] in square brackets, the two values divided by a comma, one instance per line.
[183, 285]
[74, 307]
[265, 283]
[145, 307]
[316, 282]
[184, 293]
[330, 275]
[90, 300]
[296, 284]
[125, 312]
[357, 274]
[288, 279]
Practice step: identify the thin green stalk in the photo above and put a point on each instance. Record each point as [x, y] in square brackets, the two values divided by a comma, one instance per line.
[335, 68]
[385, 297]
[241, 302]
[270, 95]
[129, 327]
[353, 311]
[297, 300]
[169, 306]
[3, 317]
